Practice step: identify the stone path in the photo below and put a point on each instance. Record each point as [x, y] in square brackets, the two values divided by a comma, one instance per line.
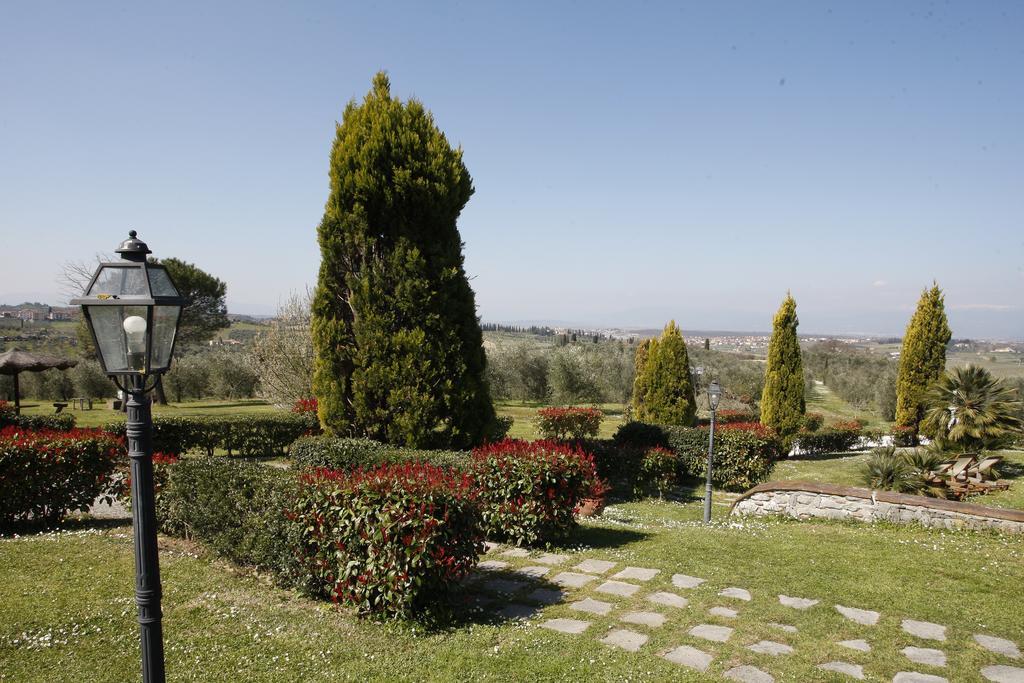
[641, 603]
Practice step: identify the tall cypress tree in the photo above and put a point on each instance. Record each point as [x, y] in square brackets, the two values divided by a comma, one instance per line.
[667, 386]
[922, 358]
[643, 351]
[399, 351]
[782, 401]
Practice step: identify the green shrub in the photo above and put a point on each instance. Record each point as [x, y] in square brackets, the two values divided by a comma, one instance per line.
[246, 435]
[885, 469]
[528, 492]
[122, 480]
[236, 508]
[46, 474]
[744, 455]
[657, 472]
[904, 436]
[829, 440]
[568, 423]
[389, 541]
[309, 453]
[641, 435]
[617, 462]
[813, 422]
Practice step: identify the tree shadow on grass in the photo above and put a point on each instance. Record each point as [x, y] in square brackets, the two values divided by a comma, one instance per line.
[604, 538]
[499, 596]
[70, 524]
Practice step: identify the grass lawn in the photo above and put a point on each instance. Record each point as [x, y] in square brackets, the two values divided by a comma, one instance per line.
[825, 401]
[101, 415]
[68, 612]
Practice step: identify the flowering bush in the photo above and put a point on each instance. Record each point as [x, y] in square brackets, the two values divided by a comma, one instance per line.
[813, 421]
[528, 491]
[305, 405]
[565, 423]
[390, 540]
[848, 425]
[657, 472]
[46, 474]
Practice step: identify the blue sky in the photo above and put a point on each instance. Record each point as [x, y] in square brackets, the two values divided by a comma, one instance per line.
[632, 161]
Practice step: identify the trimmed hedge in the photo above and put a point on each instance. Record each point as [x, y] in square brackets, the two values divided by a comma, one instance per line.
[246, 435]
[237, 508]
[44, 475]
[528, 492]
[343, 454]
[833, 439]
[55, 423]
[392, 540]
[744, 453]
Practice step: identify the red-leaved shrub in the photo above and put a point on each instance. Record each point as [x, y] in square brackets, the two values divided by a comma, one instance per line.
[528, 492]
[391, 540]
[305, 405]
[46, 474]
[568, 423]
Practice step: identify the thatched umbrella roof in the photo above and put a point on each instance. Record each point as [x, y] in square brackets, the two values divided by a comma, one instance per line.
[15, 362]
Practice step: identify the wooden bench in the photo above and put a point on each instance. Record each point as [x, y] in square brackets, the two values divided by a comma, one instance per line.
[59, 407]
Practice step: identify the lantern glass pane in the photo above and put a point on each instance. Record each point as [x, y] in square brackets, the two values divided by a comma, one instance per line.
[160, 282]
[121, 281]
[121, 352]
[165, 324]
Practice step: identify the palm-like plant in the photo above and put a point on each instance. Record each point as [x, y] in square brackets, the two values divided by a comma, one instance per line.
[969, 410]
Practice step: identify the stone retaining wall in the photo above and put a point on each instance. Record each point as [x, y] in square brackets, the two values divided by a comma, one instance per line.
[804, 500]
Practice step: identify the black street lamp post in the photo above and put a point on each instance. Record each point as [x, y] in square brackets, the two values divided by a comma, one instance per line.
[132, 309]
[714, 396]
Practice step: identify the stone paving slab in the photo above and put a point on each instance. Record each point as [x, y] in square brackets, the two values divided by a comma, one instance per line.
[748, 674]
[546, 596]
[516, 552]
[490, 546]
[631, 641]
[717, 634]
[637, 574]
[1001, 646]
[797, 603]
[551, 558]
[572, 579]
[649, 619]
[851, 670]
[860, 645]
[770, 647]
[534, 572]
[574, 626]
[724, 612]
[505, 585]
[925, 655]
[595, 566]
[783, 627]
[691, 657]
[592, 606]
[491, 565]
[924, 629]
[861, 616]
[916, 677]
[618, 588]
[514, 610]
[1003, 674]
[667, 599]
[737, 593]
[684, 581]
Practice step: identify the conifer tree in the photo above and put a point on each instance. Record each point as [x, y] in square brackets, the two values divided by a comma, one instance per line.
[922, 357]
[398, 349]
[782, 400]
[643, 351]
[667, 386]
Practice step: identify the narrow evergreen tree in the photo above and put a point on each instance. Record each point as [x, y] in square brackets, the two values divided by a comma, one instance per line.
[782, 401]
[643, 351]
[922, 357]
[398, 348]
[667, 386]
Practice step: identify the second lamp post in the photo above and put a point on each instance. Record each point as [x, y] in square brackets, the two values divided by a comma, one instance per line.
[714, 396]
